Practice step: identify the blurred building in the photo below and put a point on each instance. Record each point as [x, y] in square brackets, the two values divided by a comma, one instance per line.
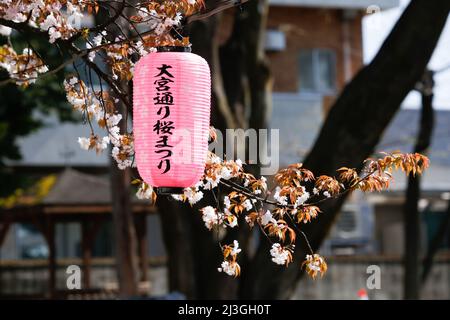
[64, 217]
[435, 183]
[314, 48]
[373, 223]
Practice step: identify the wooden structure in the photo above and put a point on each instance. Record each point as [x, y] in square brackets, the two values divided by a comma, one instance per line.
[80, 198]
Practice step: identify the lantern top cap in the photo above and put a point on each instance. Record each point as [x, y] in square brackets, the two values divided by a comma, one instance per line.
[173, 49]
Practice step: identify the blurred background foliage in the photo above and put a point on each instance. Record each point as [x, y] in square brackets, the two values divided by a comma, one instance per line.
[20, 107]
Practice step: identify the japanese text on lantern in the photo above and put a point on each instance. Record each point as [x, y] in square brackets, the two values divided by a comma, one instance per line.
[163, 127]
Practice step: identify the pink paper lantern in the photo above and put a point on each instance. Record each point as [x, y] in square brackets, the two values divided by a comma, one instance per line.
[171, 115]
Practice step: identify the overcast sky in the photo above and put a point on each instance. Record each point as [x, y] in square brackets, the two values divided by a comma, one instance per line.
[375, 29]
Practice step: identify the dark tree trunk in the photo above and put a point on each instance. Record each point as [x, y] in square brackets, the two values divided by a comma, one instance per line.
[177, 234]
[411, 211]
[123, 220]
[411, 218]
[353, 129]
[349, 135]
[194, 253]
[124, 232]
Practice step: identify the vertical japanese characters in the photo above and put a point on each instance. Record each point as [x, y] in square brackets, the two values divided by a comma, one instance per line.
[164, 125]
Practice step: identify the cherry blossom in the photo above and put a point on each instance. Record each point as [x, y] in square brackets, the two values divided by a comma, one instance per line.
[279, 213]
[280, 255]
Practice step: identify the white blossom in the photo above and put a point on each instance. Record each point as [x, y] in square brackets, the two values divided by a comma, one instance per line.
[226, 173]
[73, 81]
[84, 143]
[236, 249]
[114, 133]
[193, 196]
[102, 144]
[226, 202]
[279, 254]
[5, 31]
[113, 120]
[267, 218]
[144, 192]
[177, 197]
[122, 164]
[234, 222]
[302, 199]
[13, 13]
[54, 35]
[248, 205]
[283, 200]
[74, 16]
[211, 217]
[49, 22]
[264, 182]
[249, 221]
[211, 183]
[228, 268]
[312, 263]
[257, 191]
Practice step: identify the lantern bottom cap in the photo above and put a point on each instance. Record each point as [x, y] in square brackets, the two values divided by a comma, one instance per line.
[169, 190]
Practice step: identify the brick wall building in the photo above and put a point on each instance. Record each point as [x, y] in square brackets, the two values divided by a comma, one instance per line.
[335, 34]
[314, 48]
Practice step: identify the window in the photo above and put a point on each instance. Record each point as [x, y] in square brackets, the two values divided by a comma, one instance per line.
[347, 221]
[317, 70]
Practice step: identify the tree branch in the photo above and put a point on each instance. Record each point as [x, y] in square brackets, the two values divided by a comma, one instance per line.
[349, 135]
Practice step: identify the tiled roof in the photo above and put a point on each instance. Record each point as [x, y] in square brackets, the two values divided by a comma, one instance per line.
[56, 145]
[401, 135]
[75, 187]
[298, 119]
[402, 132]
